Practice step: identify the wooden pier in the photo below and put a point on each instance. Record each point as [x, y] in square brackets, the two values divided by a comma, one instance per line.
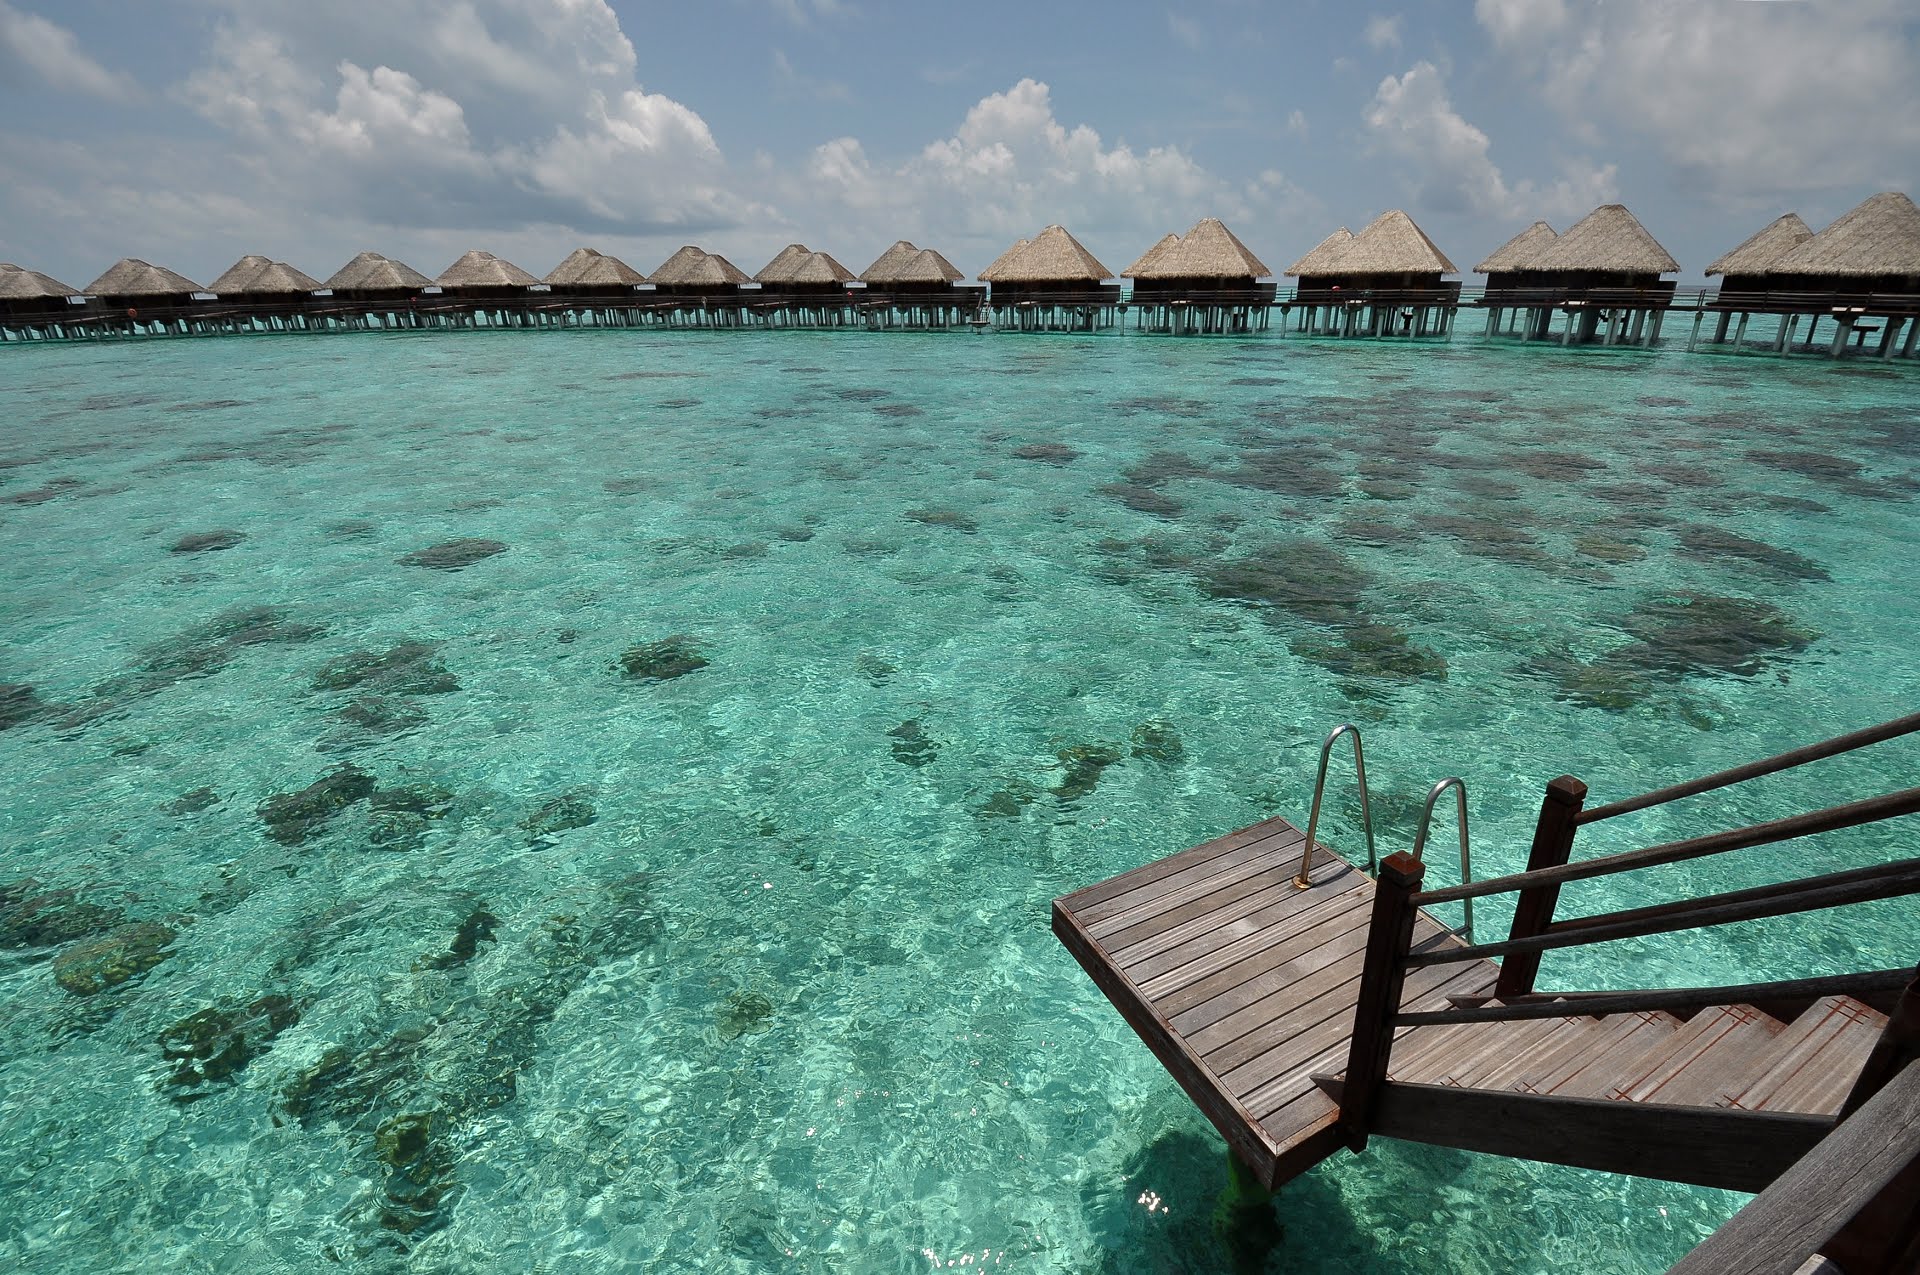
[1244, 985]
[1306, 1006]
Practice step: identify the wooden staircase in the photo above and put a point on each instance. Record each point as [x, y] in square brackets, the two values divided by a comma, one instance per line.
[1662, 1095]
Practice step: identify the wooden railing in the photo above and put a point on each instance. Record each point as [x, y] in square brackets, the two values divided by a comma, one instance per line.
[1398, 898]
[1791, 302]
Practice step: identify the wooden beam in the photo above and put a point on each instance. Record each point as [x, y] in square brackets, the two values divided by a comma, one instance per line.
[1704, 1146]
[1580, 1004]
[1552, 843]
[1812, 1201]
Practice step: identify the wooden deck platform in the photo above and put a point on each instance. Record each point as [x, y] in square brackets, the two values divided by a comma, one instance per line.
[1244, 985]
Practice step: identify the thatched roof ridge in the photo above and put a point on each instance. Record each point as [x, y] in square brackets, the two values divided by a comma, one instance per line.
[1211, 251]
[691, 265]
[1608, 239]
[1758, 251]
[926, 266]
[477, 269]
[784, 263]
[590, 266]
[1000, 262]
[1393, 244]
[1518, 252]
[887, 263]
[1325, 257]
[1880, 238]
[20, 284]
[132, 277]
[1146, 261]
[239, 272]
[273, 279]
[370, 272]
[819, 267]
[1054, 256]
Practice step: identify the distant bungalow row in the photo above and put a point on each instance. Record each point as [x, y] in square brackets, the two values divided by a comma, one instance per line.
[1599, 283]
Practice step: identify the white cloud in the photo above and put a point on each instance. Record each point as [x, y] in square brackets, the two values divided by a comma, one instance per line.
[1383, 32]
[1449, 163]
[52, 52]
[1297, 122]
[1185, 30]
[495, 112]
[1746, 100]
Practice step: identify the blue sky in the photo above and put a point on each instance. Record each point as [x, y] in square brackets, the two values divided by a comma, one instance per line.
[191, 132]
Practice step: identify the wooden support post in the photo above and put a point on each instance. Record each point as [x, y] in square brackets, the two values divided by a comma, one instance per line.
[1552, 843]
[1785, 337]
[1890, 330]
[1389, 935]
[1842, 329]
[1653, 334]
[1913, 331]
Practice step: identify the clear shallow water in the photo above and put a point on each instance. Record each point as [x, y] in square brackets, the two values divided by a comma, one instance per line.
[789, 1001]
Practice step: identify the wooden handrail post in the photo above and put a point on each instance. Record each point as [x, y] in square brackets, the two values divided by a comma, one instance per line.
[1552, 844]
[1897, 1048]
[1389, 936]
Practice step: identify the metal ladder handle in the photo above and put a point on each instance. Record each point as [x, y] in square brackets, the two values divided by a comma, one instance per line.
[1459, 787]
[1300, 882]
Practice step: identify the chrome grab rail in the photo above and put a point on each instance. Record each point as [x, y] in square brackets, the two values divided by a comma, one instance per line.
[1300, 882]
[1459, 787]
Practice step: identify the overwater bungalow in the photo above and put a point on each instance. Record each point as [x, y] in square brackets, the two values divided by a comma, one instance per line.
[586, 272]
[699, 287]
[1051, 283]
[1865, 266]
[1203, 281]
[1384, 281]
[803, 288]
[258, 293]
[1511, 281]
[1605, 270]
[135, 286]
[1746, 278]
[914, 287]
[33, 306]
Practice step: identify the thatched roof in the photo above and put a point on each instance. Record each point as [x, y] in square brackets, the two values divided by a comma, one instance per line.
[887, 263]
[1609, 239]
[693, 265]
[18, 284]
[926, 266]
[477, 269]
[1764, 247]
[239, 272]
[276, 278]
[132, 277]
[1880, 238]
[818, 267]
[1147, 259]
[586, 266]
[1518, 252]
[371, 272]
[1054, 256]
[1000, 262]
[1208, 251]
[1325, 257]
[1392, 244]
[781, 268]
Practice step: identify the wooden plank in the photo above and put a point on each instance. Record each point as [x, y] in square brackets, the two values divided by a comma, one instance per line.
[1744, 1048]
[1270, 1083]
[1090, 899]
[1250, 868]
[1234, 1122]
[1280, 963]
[1471, 1009]
[1195, 916]
[1821, 1053]
[1704, 1146]
[1798, 1213]
[1619, 1034]
[1217, 930]
[1517, 1044]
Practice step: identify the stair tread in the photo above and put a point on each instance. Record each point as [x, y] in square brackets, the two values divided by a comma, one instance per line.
[1817, 1059]
[1615, 1033]
[1738, 1040]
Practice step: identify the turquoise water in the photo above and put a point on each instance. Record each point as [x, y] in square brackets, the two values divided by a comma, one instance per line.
[747, 968]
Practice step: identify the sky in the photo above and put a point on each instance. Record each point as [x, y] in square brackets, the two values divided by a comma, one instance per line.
[190, 132]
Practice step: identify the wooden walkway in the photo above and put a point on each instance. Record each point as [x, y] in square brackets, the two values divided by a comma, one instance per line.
[1244, 985]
